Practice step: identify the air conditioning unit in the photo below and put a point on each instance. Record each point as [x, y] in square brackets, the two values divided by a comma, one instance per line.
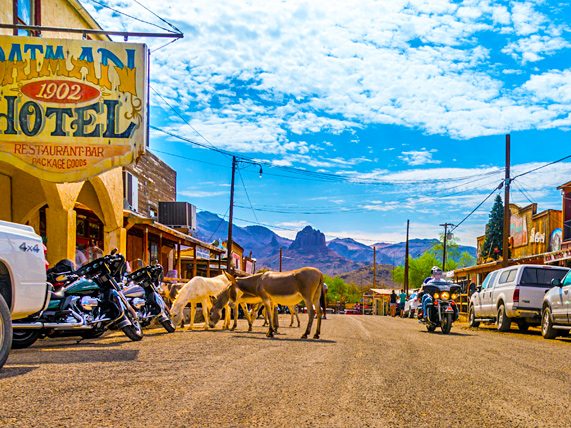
[130, 191]
[179, 215]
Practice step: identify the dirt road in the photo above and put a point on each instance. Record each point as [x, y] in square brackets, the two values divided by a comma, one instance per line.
[367, 371]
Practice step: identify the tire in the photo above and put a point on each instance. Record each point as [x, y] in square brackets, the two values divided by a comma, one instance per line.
[168, 325]
[522, 326]
[503, 322]
[446, 324]
[431, 328]
[5, 331]
[133, 331]
[547, 330]
[472, 318]
[24, 338]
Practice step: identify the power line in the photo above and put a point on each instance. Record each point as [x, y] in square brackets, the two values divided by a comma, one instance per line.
[541, 167]
[218, 227]
[248, 196]
[130, 16]
[159, 17]
[478, 206]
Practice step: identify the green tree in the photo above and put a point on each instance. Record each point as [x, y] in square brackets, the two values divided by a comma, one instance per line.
[418, 269]
[455, 258]
[492, 247]
[340, 291]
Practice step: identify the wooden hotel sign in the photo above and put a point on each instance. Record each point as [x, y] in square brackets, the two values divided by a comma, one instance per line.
[71, 109]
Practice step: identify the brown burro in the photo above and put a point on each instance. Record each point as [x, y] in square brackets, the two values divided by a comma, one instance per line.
[277, 288]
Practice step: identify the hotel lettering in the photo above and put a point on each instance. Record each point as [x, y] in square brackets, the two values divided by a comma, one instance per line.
[71, 109]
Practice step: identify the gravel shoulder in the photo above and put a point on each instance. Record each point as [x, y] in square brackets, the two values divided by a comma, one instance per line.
[366, 371]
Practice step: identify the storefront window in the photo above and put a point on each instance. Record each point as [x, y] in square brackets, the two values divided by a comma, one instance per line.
[154, 251]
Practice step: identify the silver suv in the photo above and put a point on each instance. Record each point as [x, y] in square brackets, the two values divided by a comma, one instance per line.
[556, 311]
[513, 294]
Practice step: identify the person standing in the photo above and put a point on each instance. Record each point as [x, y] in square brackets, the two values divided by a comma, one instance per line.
[393, 303]
[323, 301]
[402, 301]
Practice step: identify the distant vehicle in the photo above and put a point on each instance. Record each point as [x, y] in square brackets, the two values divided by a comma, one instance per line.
[556, 310]
[513, 294]
[411, 305]
[23, 286]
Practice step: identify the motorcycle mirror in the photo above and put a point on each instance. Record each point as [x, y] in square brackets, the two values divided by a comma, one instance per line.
[114, 251]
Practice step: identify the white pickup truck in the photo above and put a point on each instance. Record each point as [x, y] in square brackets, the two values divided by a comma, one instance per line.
[23, 286]
[513, 294]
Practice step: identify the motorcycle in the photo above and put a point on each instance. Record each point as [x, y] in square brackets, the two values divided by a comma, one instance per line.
[142, 292]
[441, 309]
[87, 302]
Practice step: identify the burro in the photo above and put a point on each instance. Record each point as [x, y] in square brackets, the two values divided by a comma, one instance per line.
[97, 120]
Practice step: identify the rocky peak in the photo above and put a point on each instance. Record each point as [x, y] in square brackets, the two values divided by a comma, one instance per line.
[309, 240]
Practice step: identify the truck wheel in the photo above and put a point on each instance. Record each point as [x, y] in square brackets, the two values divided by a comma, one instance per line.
[5, 331]
[472, 318]
[24, 338]
[503, 322]
[547, 330]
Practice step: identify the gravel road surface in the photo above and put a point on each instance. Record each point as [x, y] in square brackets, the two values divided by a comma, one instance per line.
[366, 371]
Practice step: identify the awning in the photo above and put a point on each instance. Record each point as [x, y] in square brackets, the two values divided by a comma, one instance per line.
[134, 219]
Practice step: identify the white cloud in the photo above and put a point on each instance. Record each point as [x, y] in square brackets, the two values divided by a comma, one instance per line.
[418, 157]
[200, 193]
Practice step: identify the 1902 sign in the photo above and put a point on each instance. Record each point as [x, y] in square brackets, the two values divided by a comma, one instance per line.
[71, 109]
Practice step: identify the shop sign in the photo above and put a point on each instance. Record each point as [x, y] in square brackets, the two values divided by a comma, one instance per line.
[202, 253]
[557, 256]
[71, 109]
[518, 229]
[555, 240]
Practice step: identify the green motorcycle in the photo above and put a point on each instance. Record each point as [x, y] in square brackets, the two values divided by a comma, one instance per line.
[87, 304]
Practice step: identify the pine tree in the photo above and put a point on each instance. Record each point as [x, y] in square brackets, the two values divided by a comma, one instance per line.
[492, 247]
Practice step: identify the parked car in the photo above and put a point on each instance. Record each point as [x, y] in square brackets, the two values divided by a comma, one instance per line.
[411, 305]
[23, 286]
[513, 294]
[556, 310]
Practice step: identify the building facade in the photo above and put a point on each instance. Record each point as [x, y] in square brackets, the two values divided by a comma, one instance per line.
[67, 215]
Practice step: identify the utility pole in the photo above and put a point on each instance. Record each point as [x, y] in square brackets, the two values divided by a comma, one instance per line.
[506, 231]
[231, 217]
[374, 267]
[445, 226]
[406, 259]
[281, 255]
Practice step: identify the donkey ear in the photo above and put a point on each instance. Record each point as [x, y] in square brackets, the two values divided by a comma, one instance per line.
[229, 277]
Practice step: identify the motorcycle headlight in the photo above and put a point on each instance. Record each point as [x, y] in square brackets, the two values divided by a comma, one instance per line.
[454, 296]
[445, 295]
[436, 295]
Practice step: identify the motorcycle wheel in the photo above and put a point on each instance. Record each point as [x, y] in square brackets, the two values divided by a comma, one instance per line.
[5, 331]
[446, 324]
[431, 328]
[24, 338]
[168, 325]
[133, 331]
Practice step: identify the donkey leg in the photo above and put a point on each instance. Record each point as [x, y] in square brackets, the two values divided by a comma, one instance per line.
[297, 316]
[205, 314]
[192, 316]
[276, 319]
[318, 330]
[310, 315]
[226, 317]
[269, 313]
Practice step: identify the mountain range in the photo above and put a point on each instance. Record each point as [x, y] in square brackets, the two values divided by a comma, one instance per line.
[310, 248]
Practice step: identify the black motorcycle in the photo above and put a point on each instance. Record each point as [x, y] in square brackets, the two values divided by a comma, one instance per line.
[85, 303]
[442, 310]
[142, 291]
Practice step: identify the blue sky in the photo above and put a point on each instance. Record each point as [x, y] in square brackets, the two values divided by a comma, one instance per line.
[406, 102]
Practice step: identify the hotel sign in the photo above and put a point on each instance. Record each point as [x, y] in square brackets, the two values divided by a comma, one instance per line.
[71, 109]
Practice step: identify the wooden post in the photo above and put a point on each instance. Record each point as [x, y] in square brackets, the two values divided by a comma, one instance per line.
[146, 247]
[208, 266]
[374, 267]
[160, 255]
[507, 183]
[230, 217]
[406, 259]
[178, 261]
[445, 225]
[194, 261]
[281, 255]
